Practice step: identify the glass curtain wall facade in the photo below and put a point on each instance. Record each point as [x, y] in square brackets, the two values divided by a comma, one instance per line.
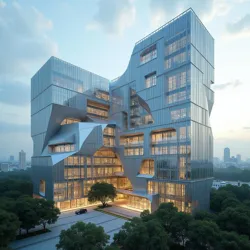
[146, 132]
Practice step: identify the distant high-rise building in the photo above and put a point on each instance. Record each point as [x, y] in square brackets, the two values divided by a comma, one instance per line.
[226, 154]
[12, 158]
[238, 157]
[22, 159]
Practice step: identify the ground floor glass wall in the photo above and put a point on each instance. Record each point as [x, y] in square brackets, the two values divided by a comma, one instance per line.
[139, 203]
[83, 202]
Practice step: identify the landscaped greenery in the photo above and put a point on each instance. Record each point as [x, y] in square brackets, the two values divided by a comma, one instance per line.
[232, 174]
[17, 174]
[83, 236]
[18, 210]
[226, 227]
[103, 192]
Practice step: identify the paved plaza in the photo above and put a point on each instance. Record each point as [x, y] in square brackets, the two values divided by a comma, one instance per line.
[111, 225]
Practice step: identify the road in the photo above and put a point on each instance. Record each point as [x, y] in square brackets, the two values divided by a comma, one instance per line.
[111, 225]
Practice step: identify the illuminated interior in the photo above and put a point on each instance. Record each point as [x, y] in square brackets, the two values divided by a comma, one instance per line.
[147, 167]
[97, 109]
[70, 121]
[42, 187]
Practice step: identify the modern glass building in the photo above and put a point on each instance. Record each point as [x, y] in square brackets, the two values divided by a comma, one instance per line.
[146, 132]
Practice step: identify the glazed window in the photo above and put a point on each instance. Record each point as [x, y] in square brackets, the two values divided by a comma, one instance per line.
[147, 167]
[109, 142]
[180, 114]
[42, 187]
[70, 121]
[163, 137]
[62, 148]
[101, 94]
[109, 131]
[175, 60]
[150, 80]
[133, 151]
[179, 96]
[132, 140]
[148, 54]
[176, 45]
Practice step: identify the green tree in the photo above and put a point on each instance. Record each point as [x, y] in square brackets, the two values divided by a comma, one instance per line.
[7, 204]
[147, 216]
[203, 235]
[241, 193]
[26, 212]
[140, 235]
[164, 213]
[22, 187]
[9, 224]
[233, 241]
[144, 213]
[204, 215]
[103, 192]
[46, 212]
[111, 247]
[229, 202]
[217, 197]
[83, 236]
[235, 219]
[179, 226]
[13, 194]
[246, 203]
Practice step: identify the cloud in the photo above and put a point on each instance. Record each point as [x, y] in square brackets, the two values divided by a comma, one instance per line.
[114, 16]
[224, 86]
[2, 4]
[14, 93]
[246, 128]
[25, 44]
[24, 39]
[6, 127]
[240, 27]
[164, 10]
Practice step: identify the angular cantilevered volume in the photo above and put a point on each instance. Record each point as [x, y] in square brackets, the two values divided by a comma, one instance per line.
[146, 132]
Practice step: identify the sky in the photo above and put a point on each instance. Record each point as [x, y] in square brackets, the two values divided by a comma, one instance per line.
[99, 36]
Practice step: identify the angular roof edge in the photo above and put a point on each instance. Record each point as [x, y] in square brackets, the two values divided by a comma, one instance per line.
[172, 20]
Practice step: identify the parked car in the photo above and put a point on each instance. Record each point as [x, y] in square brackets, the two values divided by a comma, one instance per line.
[81, 211]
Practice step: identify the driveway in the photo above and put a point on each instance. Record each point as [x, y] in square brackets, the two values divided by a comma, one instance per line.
[48, 241]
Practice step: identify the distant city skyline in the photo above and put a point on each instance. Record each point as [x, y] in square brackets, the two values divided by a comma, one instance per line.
[120, 24]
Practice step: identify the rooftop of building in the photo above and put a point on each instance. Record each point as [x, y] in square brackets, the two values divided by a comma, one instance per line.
[68, 63]
[163, 26]
[169, 22]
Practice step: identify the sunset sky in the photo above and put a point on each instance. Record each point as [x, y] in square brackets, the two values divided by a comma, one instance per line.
[99, 35]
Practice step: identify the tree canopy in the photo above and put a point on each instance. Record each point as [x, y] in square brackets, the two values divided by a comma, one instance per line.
[9, 224]
[83, 236]
[18, 209]
[226, 227]
[232, 174]
[202, 235]
[46, 212]
[11, 187]
[103, 192]
[25, 210]
[139, 235]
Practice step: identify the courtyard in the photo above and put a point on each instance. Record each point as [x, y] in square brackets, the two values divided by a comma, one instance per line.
[48, 241]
